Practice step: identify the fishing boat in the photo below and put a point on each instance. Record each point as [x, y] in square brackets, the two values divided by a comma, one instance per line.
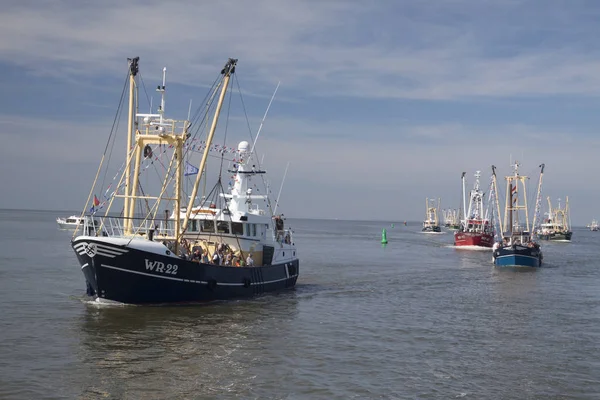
[431, 223]
[518, 249]
[476, 229]
[593, 226]
[451, 218]
[556, 226]
[227, 244]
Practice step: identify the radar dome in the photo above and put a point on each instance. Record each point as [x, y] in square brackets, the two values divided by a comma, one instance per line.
[243, 146]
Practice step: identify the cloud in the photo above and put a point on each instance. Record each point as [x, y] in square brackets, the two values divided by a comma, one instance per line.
[430, 50]
[380, 106]
[335, 172]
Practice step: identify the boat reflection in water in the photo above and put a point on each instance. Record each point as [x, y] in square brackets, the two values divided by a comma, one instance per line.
[183, 351]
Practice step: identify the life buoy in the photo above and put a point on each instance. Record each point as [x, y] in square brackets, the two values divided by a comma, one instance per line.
[247, 282]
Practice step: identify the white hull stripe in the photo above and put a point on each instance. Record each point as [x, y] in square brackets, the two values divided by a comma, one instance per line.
[191, 280]
[517, 255]
[84, 265]
[101, 249]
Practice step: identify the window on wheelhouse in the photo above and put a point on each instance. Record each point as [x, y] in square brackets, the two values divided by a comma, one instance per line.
[208, 226]
[222, 226]
[253, 229]
[237, 228]
[193, 225]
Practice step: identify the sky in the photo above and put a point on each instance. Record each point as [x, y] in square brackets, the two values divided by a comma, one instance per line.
[381, 104]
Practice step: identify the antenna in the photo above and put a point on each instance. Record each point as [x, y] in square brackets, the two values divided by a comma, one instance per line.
[161, 90]
[264, 117]
[189, 110]
[279, 194]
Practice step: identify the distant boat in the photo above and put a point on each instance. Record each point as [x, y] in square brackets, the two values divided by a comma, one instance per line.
[476, 228]
[74, 221]
[556, 226]
[517, 248]
[593, 226]
[431, 223]
[451, 218]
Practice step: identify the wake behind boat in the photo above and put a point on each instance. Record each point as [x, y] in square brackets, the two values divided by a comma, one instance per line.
[224, 246]
[517, 248]
[476, 228]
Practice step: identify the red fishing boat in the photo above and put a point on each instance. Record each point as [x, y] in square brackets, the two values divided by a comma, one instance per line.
[476, 228]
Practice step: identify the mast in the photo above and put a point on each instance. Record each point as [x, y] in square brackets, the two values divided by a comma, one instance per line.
[281, 187]
[133, 70]
[478, 197]
[495, 188]
[464, 201]
[226, 72]
[567, 215]
[538, 200]
[513, 205]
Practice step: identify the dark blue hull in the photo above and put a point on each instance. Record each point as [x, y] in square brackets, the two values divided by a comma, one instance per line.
[518, 256]
[128, 275]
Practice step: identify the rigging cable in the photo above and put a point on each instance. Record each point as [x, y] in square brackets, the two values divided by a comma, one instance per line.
[111, 134]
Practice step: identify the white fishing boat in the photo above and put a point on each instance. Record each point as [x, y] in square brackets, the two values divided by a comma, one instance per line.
[431, 223]
[451, 218]
[593, 226]
[227, 244]
[556, 225]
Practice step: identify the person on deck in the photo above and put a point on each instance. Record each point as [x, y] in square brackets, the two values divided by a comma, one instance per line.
[197, 255]
[216, 258]
[205, 259]
[249, 260]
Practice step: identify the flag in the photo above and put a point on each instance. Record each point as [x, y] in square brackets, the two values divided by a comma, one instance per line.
[190, 169]
[95, 204]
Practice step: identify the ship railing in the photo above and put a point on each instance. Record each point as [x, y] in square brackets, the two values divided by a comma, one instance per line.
[285, 236]
[115, 226]
[168, 126]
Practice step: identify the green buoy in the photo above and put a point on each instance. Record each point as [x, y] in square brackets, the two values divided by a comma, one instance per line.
[383, 236]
